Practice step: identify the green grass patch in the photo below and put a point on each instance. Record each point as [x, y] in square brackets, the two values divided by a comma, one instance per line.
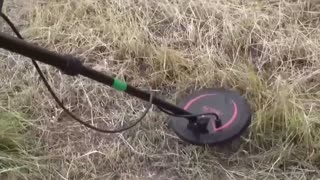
[17, 148]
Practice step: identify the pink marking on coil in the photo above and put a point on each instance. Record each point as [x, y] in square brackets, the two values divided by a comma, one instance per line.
[231, 121]
[196, 99]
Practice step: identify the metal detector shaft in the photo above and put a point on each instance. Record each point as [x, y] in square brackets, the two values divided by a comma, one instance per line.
[72, 66]
[1, 5]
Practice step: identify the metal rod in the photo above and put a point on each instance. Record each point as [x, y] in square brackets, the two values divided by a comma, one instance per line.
[62, 62]
[1, 5]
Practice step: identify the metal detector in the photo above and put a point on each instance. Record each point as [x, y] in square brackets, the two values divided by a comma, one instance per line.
[206, 117]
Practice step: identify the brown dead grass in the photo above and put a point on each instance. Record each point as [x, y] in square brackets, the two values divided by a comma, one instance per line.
[268, 50]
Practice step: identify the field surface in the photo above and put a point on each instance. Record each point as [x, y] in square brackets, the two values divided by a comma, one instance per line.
[269, 51]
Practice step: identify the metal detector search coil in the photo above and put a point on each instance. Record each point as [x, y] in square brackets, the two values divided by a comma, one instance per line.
[233, 112]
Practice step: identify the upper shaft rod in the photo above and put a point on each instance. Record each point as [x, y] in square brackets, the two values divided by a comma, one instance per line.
[1, 5]
[62, 62]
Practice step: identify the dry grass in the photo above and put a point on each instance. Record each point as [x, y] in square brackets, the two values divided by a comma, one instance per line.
[268, 50]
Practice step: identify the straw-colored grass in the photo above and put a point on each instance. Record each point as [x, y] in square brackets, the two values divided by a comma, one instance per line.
[267, 50]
